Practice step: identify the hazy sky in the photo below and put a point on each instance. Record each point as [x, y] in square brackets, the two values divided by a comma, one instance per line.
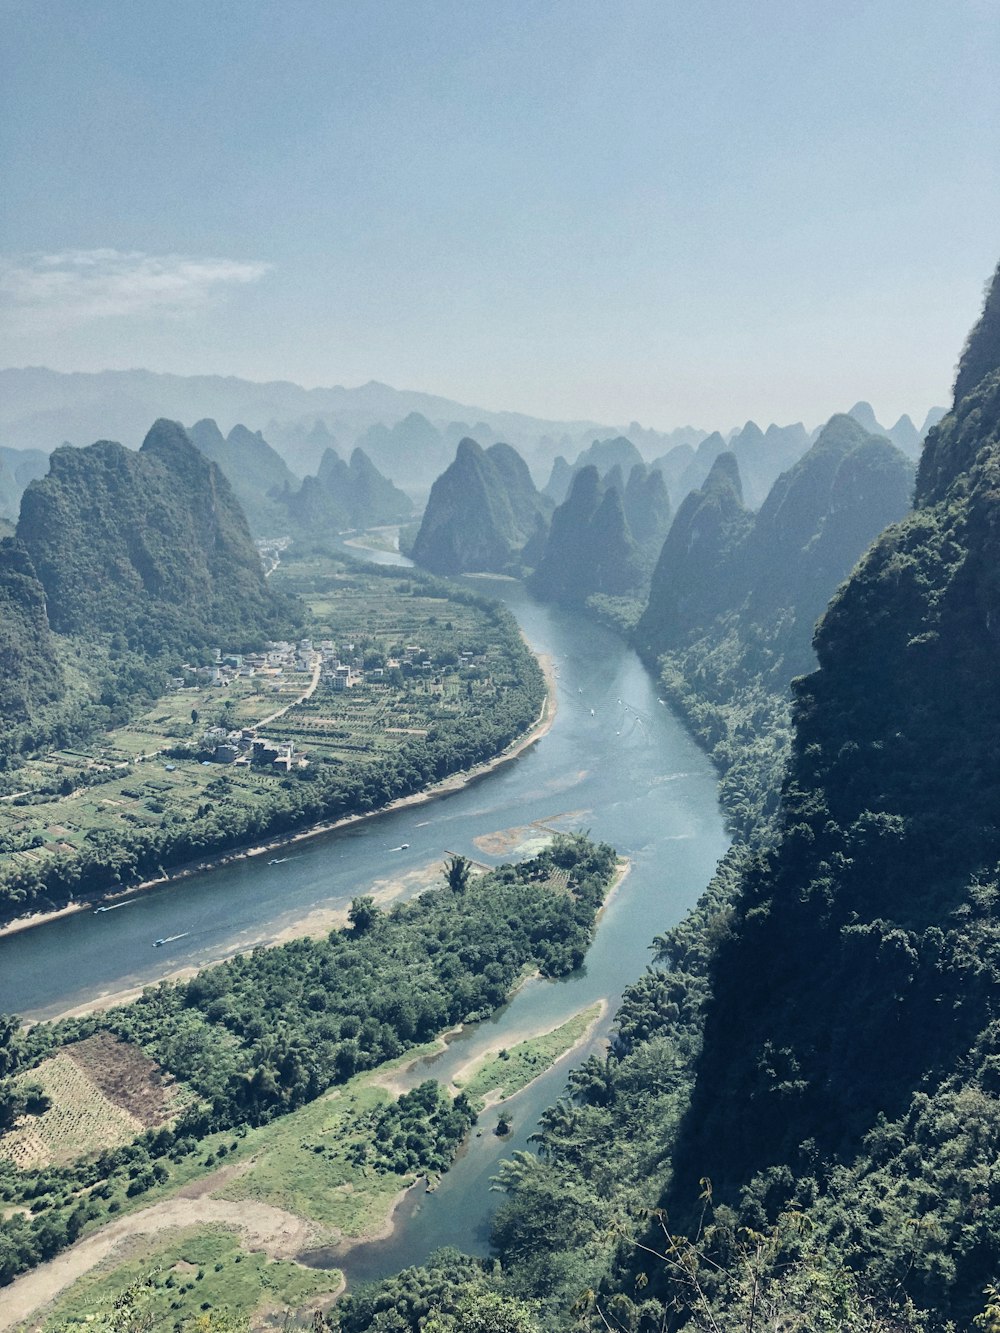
[677, 211]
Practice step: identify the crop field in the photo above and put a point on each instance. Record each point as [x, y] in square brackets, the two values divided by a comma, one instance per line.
[419, 660]
[103, 1093]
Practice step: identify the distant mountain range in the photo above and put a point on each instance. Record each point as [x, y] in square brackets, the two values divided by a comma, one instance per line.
[407, 434]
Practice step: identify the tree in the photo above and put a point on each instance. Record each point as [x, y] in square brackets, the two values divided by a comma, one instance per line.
[457, 871]
[363, 914]
[484, 1312]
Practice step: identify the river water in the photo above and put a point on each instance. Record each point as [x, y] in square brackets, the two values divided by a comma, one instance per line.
[615, 762]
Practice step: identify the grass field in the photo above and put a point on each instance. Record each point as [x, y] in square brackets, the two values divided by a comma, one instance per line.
[308, 1163]
[508, 1071]
[184, 1275]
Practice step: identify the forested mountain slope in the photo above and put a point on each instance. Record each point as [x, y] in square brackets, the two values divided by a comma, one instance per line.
[482, 511]
[150, 545]
[852, 1040]
[29, 672]
[256, 472]
[770, 575]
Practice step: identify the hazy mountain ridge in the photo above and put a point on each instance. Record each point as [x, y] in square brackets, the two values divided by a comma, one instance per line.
[44, 407]
[18, 467]
[773, 573]
[604, 537]
[41, 408]
[344, 496]
[256, 472]
[853, 1037]
[481, 513]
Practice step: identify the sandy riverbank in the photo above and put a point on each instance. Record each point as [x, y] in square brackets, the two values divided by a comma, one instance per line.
[317, 921]
[455, 782]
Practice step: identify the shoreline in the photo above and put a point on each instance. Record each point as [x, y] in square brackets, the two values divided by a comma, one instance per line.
[454, 782]
[465, 1070]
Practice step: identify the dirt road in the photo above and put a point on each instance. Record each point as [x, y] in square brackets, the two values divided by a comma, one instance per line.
[279, 1234]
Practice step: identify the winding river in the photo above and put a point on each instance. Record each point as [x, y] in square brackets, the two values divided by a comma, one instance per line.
[615, 762]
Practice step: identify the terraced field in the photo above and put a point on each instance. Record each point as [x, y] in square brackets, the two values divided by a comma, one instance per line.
[103, 1093]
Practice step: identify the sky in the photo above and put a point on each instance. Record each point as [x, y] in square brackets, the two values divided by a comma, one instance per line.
[673, 211]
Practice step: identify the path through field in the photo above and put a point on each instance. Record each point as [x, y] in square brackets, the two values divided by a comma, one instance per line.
[280, 1234]
[309, 692]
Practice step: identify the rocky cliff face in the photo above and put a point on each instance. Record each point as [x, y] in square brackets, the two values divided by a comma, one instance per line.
[855, 1006]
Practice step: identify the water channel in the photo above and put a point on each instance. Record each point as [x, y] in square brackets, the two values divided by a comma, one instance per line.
[615, 762]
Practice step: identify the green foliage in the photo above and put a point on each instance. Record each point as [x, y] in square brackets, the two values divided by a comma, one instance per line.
[457, 871]
[30, 675]
[421, 1131]
[267, 1032]
[451, 1294]
[151, 545]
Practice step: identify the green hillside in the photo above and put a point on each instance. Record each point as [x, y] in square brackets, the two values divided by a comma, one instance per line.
[482, 511]
[151, 545]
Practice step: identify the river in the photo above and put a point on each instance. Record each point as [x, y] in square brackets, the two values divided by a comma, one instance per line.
[616, 762]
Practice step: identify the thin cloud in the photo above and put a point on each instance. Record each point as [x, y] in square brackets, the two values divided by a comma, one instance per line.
[78, 286]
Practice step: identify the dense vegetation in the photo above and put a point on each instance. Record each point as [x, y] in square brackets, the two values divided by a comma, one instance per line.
[256, 1037]
[798, 1124]
[482, 513]
[30, 674]
[152, 546]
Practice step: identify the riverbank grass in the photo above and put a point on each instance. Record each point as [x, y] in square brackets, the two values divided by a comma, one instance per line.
[192, 1272]
[313, 1163]
[502, 1073]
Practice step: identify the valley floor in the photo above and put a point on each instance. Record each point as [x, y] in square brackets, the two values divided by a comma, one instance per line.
[286, 1190]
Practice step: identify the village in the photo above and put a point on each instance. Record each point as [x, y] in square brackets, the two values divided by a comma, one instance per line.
[330, 666]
